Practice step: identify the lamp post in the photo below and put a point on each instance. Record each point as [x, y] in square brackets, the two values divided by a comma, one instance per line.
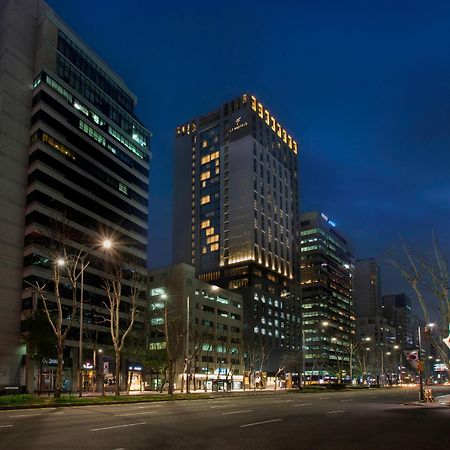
[325, 324]
[420, 367]
[106, 244]
[186, 350]
[397, 363]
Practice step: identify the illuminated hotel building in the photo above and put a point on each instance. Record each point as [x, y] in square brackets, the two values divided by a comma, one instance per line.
[236, 214]
[71, 148]
[326, 270]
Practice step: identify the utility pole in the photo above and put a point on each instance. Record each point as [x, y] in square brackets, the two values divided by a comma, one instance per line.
[420, 367]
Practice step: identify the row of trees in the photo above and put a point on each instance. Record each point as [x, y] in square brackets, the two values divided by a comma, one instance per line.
[58, 299]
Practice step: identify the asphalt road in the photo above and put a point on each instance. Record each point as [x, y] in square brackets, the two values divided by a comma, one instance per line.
[375, 419]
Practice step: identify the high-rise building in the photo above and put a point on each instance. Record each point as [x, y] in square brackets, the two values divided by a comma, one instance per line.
[367, 288]
[72, 150]
[235, 215]
[397, 309]
[204, 323]
[326, 270]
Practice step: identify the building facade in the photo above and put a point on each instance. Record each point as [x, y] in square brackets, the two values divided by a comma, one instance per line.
[204, 327]
[367, 288]
[235, 219]
[397, 310]
[73, 153]
[326, 269]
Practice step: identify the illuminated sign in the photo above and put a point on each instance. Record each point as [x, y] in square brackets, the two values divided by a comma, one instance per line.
[238, 125]
[330, 222]
[187, 128]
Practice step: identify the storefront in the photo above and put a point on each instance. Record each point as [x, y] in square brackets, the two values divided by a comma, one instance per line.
[134, 377]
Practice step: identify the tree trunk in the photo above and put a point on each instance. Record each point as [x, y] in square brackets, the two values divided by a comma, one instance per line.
[171, 371]
[117, 387]
[59, 369]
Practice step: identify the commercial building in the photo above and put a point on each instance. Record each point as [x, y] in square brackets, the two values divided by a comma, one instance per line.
[236, 216]
[367, 288]
[326, 269]
[71, 152]
[204, 326]
[397, 310]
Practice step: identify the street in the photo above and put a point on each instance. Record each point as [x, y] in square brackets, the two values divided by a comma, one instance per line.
[368, 419]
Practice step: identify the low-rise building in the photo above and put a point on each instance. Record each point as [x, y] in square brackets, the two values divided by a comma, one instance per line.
[202, 326]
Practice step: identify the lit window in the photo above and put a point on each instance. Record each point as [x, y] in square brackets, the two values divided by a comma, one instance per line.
[205, 199]
[253, 103]
[284, 136]
[267, 116]
[205, 175]
[260, 110]
[206, 159]
[278, 130]
[210, 231]
[214, 247]
[205, 224]
[205, 144]
[123, 188]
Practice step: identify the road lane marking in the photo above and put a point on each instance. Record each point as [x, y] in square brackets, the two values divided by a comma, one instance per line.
[283, 401]
[237, 412]
[224, 406]
[6, 426]
[119, 426]
[221, 401]
[303, 404]
[349, 400]
[135, 414]
[259, 423]
[26, 415]
[335, 412]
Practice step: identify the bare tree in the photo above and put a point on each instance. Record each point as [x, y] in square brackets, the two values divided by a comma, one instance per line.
[65, 269]
[350, 348]
[123, 280]
[428, 276]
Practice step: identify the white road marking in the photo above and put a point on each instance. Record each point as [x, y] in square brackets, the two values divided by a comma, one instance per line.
[23, 409]
[135, 414]
[259, 423]
[335, 412]
[303, 404]
[237, 412]
[6, 426]
[224, 406]
[221, 401]
[119, 426]
[283, 401]
[349, 400]
[26, 415]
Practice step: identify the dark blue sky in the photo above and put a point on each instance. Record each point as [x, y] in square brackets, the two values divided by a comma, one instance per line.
[363, 86]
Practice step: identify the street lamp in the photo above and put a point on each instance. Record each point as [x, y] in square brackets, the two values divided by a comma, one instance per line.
[106, 244]
[397, 363]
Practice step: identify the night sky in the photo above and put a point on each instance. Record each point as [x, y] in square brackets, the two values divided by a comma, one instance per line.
[363, 86]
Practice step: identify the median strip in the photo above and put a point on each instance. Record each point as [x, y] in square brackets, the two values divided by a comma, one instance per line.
[119, 426]
[259, 423]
